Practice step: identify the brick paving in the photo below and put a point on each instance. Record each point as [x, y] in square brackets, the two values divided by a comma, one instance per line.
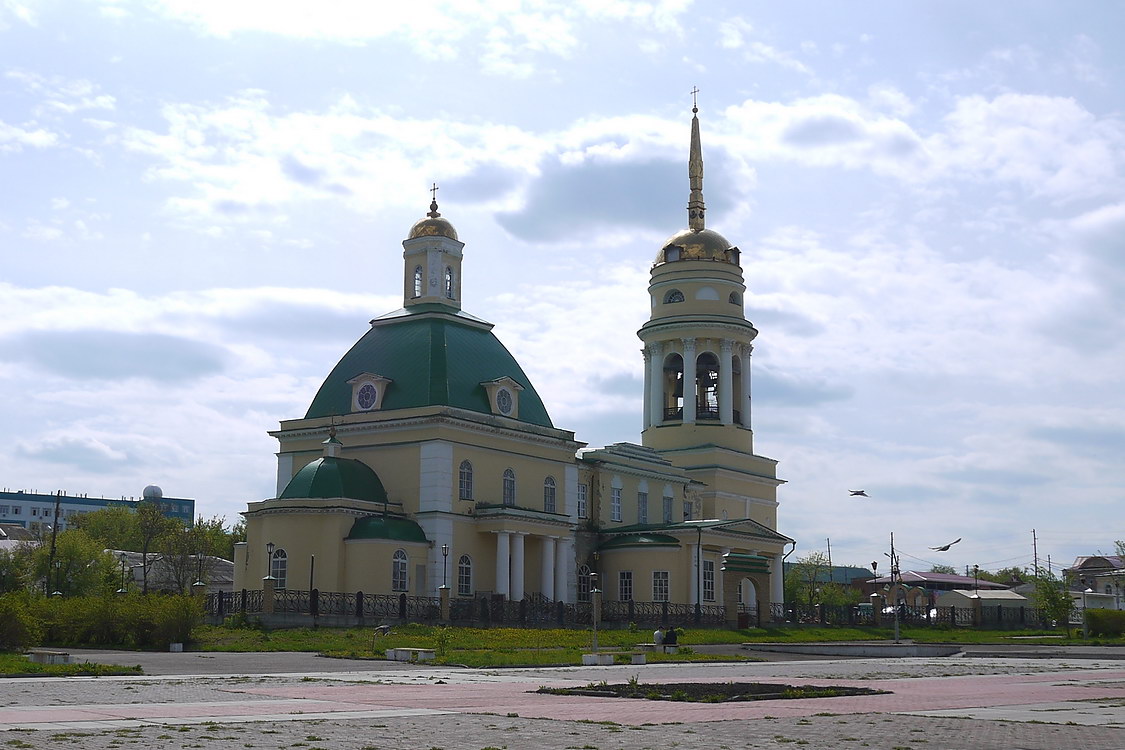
[935, 703]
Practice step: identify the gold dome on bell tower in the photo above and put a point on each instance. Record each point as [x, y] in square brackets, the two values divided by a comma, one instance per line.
[434, 225]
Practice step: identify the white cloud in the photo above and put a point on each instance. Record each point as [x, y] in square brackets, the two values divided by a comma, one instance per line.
[60, 95]
[13, 138]
[20, 11]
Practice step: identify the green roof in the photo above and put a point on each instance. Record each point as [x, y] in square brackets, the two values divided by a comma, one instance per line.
[641, 540]
[741, 563]
[433, 359]
[330, 477]
[387, 527]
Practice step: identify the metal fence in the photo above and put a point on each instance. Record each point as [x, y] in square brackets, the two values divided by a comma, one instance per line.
[538, 611]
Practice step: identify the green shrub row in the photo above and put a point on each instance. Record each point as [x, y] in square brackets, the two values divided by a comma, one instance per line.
[132, 621]
[1109, 622]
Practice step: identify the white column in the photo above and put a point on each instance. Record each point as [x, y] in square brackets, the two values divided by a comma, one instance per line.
[693, 578]
[648, 389]
[655, 392]
[517, 567]
[744, 407]
[562, 568]
[726, 382]
[547, 568]
[777, 581]
[689, 381]
[503, 581]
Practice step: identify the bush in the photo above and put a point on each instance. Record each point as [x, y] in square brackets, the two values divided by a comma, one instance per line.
[18, 627]
[141, 621]
[1109, 622]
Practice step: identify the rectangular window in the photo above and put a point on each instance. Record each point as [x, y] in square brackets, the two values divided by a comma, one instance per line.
[34, 511]
[16, 510]
[3, 510]
[708, 580]
[660, 585]
[625, 585]
[667, 509]
[687, 510]
[615, 504]
[642, 507]
[582, 501]
[465, 576]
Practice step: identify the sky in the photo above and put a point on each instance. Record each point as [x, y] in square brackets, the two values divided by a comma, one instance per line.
[202, 204]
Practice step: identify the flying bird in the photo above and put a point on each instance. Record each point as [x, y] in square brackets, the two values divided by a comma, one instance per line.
[945, 547]
[859, 493]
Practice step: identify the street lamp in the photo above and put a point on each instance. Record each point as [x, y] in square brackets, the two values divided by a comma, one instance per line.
[269, 559]
[1085, 620]
[595, 595]
[58, 579]
[124, 559]
[444, 566]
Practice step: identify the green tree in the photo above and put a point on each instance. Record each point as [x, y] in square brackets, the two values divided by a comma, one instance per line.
[1053, 599]
[82, 566]
[806, 577]
[15, 568]
[115, 527]
[946, 569]
[153, 525]
[189, 553]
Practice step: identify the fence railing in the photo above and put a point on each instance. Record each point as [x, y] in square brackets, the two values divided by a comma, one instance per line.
[537, 611]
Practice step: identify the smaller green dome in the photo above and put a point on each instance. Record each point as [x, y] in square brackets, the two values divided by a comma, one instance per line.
[387, 527]
[329, 477]
[640, 540]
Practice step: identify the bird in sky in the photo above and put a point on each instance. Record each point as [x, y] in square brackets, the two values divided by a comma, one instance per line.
[859, 493]
[945, 547]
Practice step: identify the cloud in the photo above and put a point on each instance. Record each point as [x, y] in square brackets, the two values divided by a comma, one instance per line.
[796, 324]
[99, 354]
[62, 95]
[86, 453]
[14, 139]
[788, 390]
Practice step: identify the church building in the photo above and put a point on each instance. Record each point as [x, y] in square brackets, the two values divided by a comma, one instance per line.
[428, 459]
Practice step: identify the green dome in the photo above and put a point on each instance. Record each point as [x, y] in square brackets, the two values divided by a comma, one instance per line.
[433, 360]
[640, 540]
[387, 527]
[329, 477]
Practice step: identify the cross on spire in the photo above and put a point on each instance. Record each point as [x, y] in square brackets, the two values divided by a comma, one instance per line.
[433, 214]
[694, 101]
[433, 192]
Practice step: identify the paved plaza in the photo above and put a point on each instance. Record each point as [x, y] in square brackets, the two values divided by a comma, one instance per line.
[214, 701]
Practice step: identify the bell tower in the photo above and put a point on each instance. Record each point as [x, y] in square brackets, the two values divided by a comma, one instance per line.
[432, 261]
[697, 347]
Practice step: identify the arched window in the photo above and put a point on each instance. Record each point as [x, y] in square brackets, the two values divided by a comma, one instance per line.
[449, 282]
[399, 581]
[279, 566]
[549, 494]
[583, 583]
[465, 481]
[465, 576]
[735, 298]
[673, 295]
[418, 281]
[509, 487]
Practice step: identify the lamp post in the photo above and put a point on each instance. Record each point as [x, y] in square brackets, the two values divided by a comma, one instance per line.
[1085, 620]
[58, 579]
[124, 559]
[595, 608]
[269, 559]
[445, 566]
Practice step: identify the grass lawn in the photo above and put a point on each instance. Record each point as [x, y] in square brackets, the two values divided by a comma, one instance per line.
[488, 647]
[18, 664]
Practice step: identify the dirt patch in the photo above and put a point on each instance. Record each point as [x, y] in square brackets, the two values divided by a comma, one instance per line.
[711, 692]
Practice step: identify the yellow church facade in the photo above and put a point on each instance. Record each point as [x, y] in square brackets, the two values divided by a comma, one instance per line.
[427, 464]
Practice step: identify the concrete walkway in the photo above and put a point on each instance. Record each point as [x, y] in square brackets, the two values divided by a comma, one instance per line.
[222, 702]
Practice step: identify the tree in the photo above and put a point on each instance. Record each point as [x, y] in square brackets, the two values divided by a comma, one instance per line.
[15, 568]
[115, 527]
[946, 569]
[152, 525]
[189, 553]
[1053, 599]
[806, 577]
[82, 566]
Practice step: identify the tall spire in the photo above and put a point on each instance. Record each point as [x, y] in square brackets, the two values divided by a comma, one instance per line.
[695, 171]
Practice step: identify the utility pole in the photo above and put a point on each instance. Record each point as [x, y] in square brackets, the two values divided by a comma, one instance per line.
[1035, 552]
[54, 535]
[831, 577]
